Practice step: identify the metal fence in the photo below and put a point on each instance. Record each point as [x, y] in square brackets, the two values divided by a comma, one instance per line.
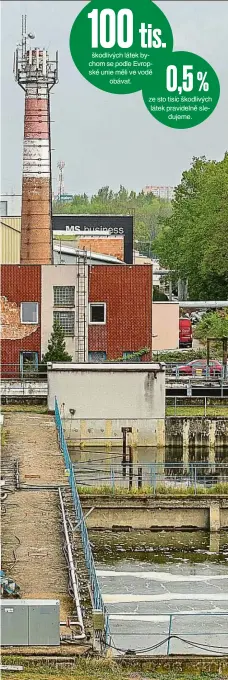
[177, 370]
[94, 584]
[202, 633]
[28, 371]
[199, 405]
[197, 477]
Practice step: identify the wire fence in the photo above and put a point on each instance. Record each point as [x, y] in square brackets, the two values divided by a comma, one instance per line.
[98, 603]
[198, 477]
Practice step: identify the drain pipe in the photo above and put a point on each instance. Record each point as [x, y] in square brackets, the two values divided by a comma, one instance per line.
[72, 574]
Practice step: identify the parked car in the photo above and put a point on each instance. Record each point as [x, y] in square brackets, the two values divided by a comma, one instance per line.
[199, 367]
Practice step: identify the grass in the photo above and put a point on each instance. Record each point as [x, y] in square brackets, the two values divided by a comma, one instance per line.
[190, 411]
[24, 408]
[102, 670]
[161, 490]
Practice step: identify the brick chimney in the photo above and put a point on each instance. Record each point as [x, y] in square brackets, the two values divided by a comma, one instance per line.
[36, 75]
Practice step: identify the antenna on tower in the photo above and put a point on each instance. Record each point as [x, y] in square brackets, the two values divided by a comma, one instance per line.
[20, 54]
[61, 165]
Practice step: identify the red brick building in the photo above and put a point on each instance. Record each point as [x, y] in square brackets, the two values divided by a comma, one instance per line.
[125, 326]
[118, 312]
[20, 316]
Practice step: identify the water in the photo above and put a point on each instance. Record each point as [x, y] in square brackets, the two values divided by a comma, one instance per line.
[145, 577]
[102, 467]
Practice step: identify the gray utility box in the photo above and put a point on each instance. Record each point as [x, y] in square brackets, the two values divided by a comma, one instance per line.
[33, 623]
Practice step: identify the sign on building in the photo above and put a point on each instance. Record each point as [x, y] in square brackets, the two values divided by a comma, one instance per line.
[115, 225]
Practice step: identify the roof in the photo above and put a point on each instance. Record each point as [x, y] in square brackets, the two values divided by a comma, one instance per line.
[144, 367]
[89, 254]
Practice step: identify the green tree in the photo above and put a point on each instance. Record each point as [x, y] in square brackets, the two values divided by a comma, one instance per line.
[193, 240]
[159, 296]
[212, 325]
[56, 350]
[149, 211]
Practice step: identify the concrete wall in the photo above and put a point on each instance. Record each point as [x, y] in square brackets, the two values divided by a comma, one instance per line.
[197, 432]
[210, 513]
[61, 275]
[165, 325]
[107, 397]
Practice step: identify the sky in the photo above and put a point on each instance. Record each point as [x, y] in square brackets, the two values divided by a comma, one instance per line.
[106, 139]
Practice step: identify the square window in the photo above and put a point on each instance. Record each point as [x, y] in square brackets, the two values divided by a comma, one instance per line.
[29, 312]
[66, 321]
[97, 313]
[64, 296]
[97, 357]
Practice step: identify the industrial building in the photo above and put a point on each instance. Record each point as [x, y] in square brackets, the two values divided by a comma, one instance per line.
[106, 312]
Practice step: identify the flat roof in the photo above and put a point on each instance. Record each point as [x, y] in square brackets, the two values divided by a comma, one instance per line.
[143, 367]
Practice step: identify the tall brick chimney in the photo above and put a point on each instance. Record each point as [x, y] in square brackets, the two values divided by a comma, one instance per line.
[36, 74]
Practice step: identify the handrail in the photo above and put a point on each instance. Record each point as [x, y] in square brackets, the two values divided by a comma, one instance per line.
[94, 584]
[80, 623]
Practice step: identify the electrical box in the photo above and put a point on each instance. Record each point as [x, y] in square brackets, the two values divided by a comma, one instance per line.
[33, 623]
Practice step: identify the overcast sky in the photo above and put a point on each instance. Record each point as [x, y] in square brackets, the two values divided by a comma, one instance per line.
[107, 139]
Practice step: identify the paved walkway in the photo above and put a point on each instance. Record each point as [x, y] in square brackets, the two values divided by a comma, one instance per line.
[32, 536]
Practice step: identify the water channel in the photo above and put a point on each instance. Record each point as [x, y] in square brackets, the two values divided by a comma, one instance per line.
[103, 467]
[146, 576]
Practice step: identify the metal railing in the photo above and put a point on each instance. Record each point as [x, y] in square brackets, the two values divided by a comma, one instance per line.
[208, 373]
[201, 406]
[183, 476]
[200, 646]
[81, 524]
[27, 372]
[170, 634]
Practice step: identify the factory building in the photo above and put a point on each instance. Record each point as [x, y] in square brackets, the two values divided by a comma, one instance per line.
[106, 312]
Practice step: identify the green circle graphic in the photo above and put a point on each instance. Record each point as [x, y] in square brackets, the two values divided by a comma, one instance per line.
[183, 91]
[136, 32]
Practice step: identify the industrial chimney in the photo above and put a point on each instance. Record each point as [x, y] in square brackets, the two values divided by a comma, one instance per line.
[36, 74]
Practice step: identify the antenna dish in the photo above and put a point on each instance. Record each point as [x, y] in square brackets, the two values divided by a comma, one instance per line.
[31, 36]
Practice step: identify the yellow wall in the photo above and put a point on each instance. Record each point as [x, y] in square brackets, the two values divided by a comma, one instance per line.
[10, 240]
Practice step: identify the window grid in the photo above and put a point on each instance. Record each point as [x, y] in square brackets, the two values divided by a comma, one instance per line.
[64, 296]
[66, 321]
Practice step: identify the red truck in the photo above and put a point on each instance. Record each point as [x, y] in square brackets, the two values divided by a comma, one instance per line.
[185, 333]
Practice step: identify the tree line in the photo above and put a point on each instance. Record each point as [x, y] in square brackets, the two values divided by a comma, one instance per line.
[188, 235]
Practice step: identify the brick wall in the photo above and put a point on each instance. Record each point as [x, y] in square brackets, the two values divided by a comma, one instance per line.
[19, 284]
[111, 245]
[127, 292]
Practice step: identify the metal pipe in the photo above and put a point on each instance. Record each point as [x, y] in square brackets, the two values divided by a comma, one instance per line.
[72, 571]
[213, 304]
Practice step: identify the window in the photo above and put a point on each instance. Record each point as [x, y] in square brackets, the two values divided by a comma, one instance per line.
[97, 313]
[127, 356]
[29, 312]
[97, 357]
[29, 362]
[66, 321]
[64, 296]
